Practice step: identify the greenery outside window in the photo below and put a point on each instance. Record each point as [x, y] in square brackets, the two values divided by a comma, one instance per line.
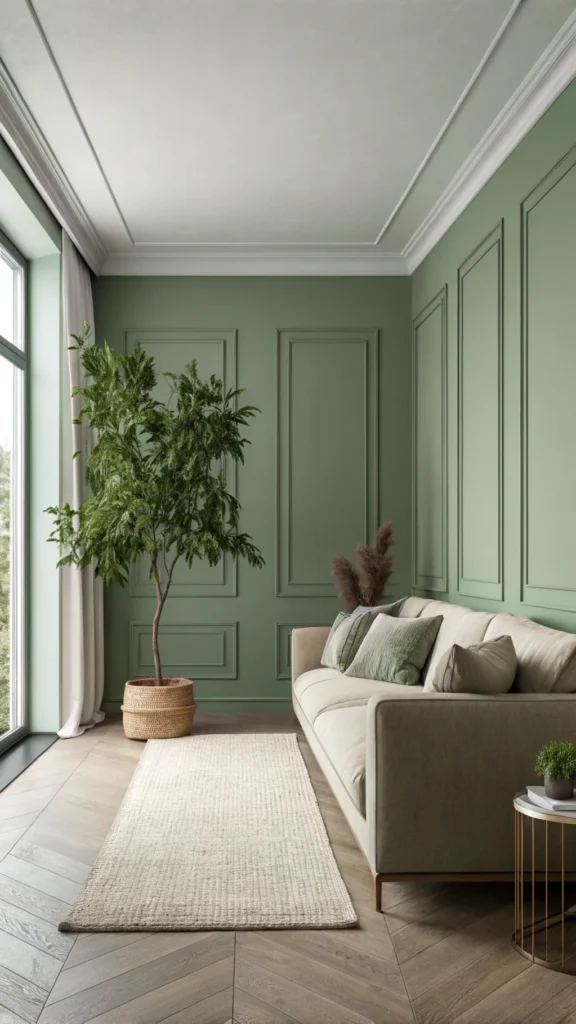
[13, 576]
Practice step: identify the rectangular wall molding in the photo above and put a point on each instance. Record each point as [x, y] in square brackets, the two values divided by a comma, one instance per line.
[284, 645]
[548, 254]
[327, 453]
[195, 651]
[430, 447]
[480, 420]
[215, 352]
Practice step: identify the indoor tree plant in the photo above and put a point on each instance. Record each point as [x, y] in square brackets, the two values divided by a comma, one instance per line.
[157, 490]
[557, 763]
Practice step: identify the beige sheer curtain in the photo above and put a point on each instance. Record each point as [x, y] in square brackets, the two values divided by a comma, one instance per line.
[82, 593]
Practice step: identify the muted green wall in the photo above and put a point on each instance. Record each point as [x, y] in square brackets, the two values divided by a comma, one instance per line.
[327, 360]
[494, 340]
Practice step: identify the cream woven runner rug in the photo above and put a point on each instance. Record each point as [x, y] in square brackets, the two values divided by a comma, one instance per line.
[216, 832]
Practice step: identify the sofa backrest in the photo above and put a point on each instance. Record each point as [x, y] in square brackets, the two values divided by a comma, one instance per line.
[459, 626]
[546, 657]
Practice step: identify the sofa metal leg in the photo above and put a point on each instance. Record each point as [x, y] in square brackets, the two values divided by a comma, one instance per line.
[378, 881]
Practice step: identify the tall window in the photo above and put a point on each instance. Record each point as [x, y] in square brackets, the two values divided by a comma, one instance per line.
[12, 495]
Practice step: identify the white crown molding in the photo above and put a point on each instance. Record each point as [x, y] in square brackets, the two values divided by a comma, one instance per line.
[551, 74]
[544, 83]
[257, 261]
[26, 140]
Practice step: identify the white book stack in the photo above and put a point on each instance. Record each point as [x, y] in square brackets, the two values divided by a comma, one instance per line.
[537, 795]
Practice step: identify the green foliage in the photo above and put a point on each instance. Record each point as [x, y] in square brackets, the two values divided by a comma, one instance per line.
[155, 473]
[4, 590]
[557, 761]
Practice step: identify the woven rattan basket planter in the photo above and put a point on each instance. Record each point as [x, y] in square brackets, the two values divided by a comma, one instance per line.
[158, 712]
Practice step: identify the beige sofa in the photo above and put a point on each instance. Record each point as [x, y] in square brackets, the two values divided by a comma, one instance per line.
[426, 779]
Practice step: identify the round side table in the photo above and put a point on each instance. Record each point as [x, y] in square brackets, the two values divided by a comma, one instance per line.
[543, 940]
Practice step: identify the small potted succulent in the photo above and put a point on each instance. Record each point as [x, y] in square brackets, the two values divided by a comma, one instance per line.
[557, 763]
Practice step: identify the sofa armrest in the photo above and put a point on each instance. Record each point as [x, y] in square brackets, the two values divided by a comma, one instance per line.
[441, 772]
[307, 646]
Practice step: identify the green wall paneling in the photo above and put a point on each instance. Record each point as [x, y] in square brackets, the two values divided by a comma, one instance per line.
[480, 420]
[548, 389]
[512, 292]
[327, 459]
[195, 650]
[284, 646]
[430, 525]
[346, 380]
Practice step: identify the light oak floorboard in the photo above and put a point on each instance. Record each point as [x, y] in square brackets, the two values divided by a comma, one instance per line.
[9, 839]
[7, 1017]
[89, 946]
[561, 1009]
[28, 961]
[365, 998]
[215, 1009]
[249, 1010]
[20, 821]
[22, 997]
[517, 998]
[17, 894]
[452, 941]
[109, 994]
[45, 857]
[25, 803]
[456, 952]
[304, 1005]
[206, 995]
[35, 931]
[121, 960]
[465, 989]
[40, 878]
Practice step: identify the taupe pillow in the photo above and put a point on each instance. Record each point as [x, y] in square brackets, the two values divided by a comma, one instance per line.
[395, 650]
[487, 668]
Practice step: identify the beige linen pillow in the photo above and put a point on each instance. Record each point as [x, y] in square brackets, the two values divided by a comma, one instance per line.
[485, 668]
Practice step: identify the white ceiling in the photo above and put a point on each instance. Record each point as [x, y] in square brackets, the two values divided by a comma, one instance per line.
[226, 124]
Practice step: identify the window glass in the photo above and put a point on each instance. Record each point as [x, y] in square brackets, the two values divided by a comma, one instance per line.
[12, 491]
[11, 300]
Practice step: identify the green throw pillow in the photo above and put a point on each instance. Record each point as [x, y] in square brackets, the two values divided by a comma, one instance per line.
[345, 638]
[395, 650]
[328, 659]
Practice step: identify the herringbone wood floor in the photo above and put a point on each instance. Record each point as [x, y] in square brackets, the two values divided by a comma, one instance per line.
[439, 954]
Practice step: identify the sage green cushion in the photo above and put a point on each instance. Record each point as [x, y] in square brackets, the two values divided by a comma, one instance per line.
[395, 650]
[348, 632]
[345, 638]
[486, 668]
[329, 654]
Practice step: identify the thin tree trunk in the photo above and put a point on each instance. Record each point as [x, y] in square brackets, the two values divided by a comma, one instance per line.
[160, 602]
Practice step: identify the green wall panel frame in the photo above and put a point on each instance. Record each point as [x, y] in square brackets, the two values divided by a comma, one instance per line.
[430, 459]
[177, 311]
[480, 420]
[215, 352]
[195, 650]
[548, 254]
[284, 646]
[522, 289]
[327, 453]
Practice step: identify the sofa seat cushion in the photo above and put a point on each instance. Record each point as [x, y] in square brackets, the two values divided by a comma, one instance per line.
[342, 733]
[324, 689]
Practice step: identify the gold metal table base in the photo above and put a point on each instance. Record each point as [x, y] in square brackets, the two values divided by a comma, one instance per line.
[529, 931]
